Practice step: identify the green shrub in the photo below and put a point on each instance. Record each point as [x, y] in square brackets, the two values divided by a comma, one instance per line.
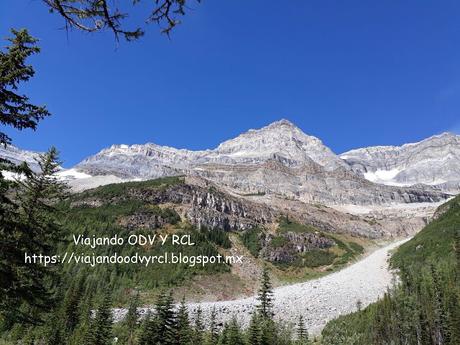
[251, 240]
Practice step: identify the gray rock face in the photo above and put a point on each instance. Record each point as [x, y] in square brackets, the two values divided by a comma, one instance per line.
[311, 183]
[433, 161]
[278, 159]
[143, 220]
[17, 156]
[204, 204]
[292, 245]
[201, 206]
[279, 140]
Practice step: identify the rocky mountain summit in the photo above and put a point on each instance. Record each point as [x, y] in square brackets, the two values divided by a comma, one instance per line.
[280, 140]
[434, 161]
[281, 159]
[278, 159]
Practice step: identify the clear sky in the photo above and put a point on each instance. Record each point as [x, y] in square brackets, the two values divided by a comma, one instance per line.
[353, 73]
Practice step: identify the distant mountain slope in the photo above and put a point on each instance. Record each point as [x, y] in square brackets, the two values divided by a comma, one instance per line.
[280, 159]
[280, 140]
[17, 156]
[277, 159]
[433, 161]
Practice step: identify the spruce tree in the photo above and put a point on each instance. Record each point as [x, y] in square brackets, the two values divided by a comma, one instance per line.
[165, 320]
[71, 302]
[54, 332]
[254, 331]
[234, 333]
[27, 282]
[199, 327]
[15, 109]
[302, 333]
[268, 332]
[18, 284]
[213, 337]
[224, 335]
[101, 325]
[265, 296]
[183, 329]
[131, 320]
[148, 330]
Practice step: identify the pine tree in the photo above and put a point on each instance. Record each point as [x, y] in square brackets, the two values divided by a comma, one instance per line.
[254, 331]
[199, 327]
[165, 320]
[183, 329]
[26, 282]
[234, 333]
[213, 332]
[131, 320]
[101, 325]
[265, 296]
[302, 333]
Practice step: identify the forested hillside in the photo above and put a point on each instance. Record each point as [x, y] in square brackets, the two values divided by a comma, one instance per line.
[425, 307]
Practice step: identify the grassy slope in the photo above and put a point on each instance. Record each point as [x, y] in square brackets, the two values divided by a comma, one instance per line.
[311, 264]
[435, 241]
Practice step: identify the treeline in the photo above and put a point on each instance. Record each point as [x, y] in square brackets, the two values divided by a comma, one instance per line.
[82, 321]
[424, 308]
[104, 220]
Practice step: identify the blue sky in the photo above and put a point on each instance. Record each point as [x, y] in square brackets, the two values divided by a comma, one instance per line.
[353, 73]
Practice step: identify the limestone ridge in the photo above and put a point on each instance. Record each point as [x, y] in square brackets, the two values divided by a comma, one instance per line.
[279, 140]
[276, 159]
[281, 160]
[434, 161]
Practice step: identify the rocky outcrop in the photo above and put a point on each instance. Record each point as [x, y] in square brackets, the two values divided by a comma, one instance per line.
[311, 183]
[200, 205]
[205, 204]
[289, 245]
[143, 220]
[433, 161]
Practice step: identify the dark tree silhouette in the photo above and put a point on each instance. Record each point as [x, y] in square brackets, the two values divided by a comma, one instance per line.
[98, 15]
[15, 109]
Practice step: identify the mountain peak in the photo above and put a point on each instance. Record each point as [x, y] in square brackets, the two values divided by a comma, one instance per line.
[447, 135]
[281, 123]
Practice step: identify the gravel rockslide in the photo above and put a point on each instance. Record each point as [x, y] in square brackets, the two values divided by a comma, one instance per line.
[319, 300]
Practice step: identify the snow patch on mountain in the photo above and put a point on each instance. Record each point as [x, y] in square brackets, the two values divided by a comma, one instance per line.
[434, 161]
[382, 176]
[67, 174]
